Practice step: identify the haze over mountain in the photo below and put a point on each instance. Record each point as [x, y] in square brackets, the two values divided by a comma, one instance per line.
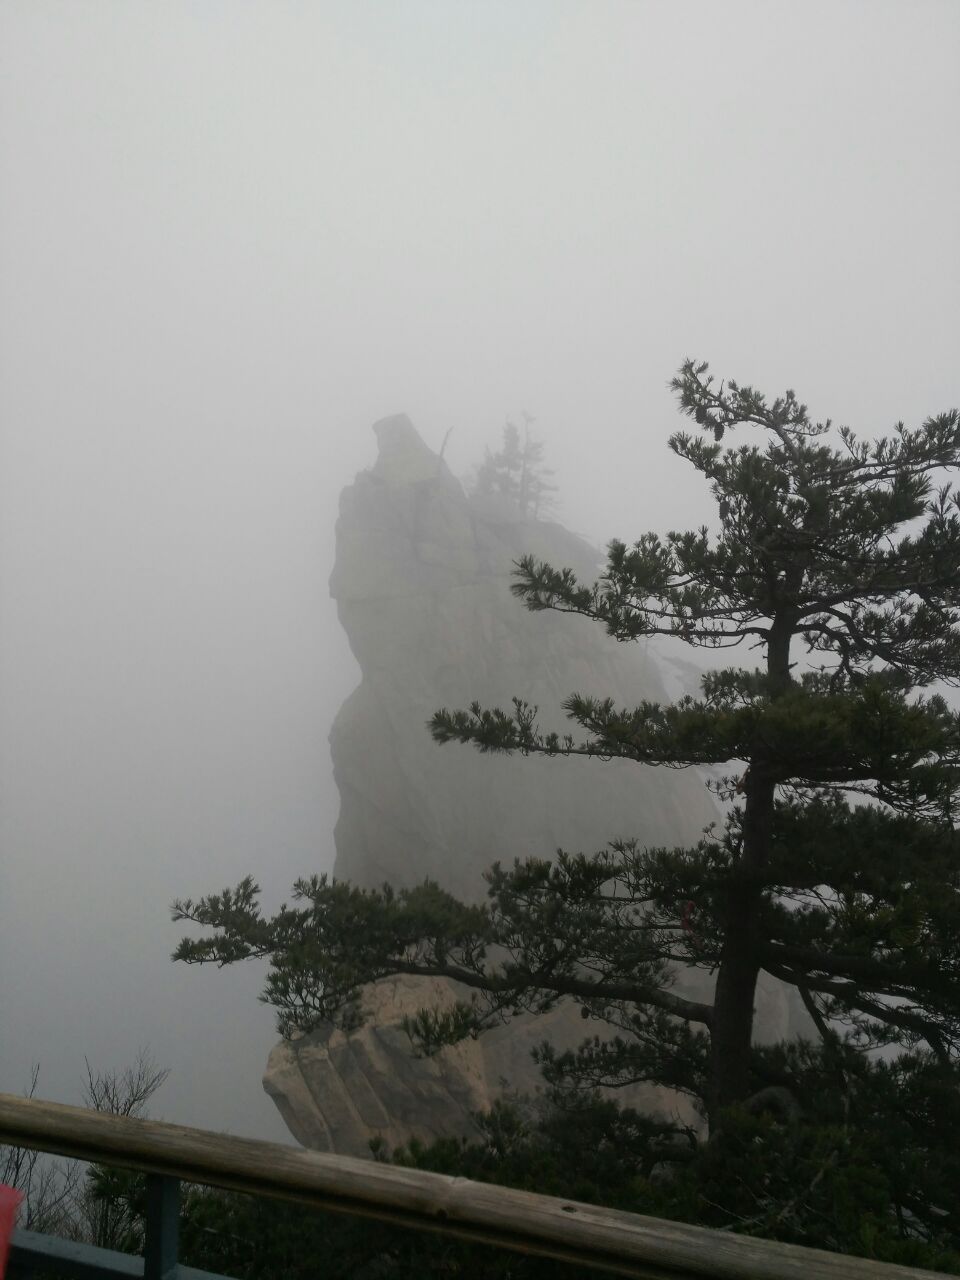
[232, 236]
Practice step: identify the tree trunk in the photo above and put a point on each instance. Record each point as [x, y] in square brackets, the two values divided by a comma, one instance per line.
[731, 1035]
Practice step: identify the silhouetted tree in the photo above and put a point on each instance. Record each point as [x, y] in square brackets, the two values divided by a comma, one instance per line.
[111, 1205]
[515, 473]
[97, 1204]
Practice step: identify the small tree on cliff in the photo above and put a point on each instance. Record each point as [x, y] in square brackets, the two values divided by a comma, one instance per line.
[516, 471]
[837, 867]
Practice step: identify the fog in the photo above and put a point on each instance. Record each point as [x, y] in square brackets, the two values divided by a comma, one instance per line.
[234, 234]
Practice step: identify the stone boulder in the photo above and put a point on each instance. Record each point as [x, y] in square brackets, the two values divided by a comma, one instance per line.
[338, 1092]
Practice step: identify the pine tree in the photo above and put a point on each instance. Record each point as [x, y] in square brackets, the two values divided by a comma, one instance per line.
[515, 473]
[837, 866]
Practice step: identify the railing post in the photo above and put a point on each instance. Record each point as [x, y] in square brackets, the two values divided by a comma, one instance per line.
[163, 1228]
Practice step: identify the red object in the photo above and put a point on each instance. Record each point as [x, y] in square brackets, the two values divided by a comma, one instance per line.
[9, 1202]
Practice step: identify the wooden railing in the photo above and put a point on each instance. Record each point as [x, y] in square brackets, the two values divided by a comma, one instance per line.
[608, 1239]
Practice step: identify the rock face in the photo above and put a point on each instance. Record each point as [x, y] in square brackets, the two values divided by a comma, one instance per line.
[422, 584]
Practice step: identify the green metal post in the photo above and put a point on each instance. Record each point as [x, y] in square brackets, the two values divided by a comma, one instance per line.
[163, 1228]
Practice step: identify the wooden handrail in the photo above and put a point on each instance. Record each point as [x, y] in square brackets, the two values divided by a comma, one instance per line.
[609, 1239]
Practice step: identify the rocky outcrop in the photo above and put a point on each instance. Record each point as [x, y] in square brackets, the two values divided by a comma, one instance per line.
[337, 1091]
[422, 584]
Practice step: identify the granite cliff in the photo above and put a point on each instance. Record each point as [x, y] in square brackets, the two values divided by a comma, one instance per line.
[422, 584]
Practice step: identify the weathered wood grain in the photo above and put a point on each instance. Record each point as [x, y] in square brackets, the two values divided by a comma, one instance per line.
[623, 1243]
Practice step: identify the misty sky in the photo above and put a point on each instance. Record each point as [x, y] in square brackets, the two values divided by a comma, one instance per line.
[235, 233]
